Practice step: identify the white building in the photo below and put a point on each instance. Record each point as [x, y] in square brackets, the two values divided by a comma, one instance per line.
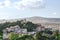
[24, 31]
[15, 29]
[40, 28]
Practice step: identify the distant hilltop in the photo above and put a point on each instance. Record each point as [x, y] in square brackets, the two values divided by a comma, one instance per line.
[43, 20]
[34, 19]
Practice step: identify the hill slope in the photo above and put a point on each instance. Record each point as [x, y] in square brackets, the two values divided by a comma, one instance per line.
[43, 20]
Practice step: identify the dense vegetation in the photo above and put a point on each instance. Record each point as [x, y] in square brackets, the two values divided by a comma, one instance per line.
[28, 25]
[13, 36]
[41, 35]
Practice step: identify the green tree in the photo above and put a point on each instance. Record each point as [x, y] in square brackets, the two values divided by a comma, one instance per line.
[55, 35]
[13, 36]
[1, 38]
[26, 37]
[30, 26]
[58, 37]
[40, 36]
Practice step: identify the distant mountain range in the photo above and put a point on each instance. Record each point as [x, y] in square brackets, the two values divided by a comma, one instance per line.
[35, 20]
[43, 20]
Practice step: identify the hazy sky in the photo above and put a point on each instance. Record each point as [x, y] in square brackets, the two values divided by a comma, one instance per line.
[12, 9]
